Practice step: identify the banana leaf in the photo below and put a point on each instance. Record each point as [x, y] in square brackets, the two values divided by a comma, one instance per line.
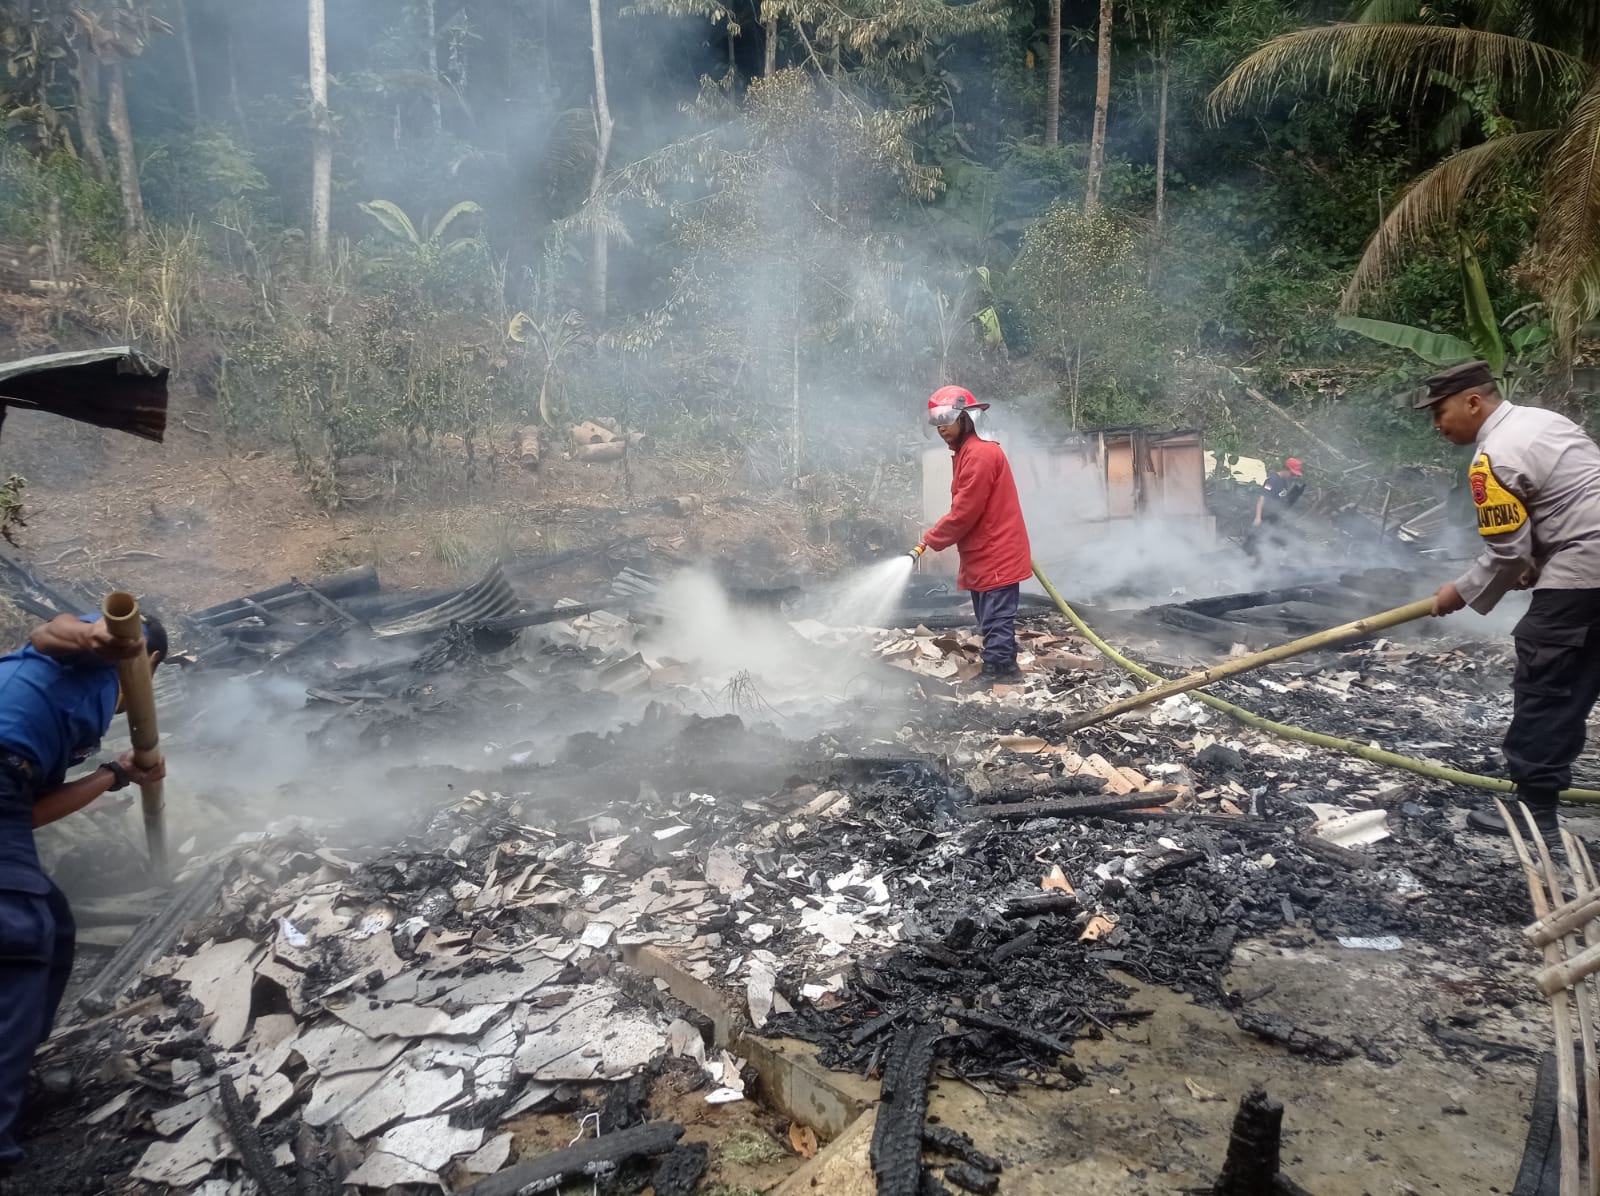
[1483, 329]
[1436, 348]
[395, 222]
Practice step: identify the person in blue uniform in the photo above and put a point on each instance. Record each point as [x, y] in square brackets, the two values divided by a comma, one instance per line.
[57, 698]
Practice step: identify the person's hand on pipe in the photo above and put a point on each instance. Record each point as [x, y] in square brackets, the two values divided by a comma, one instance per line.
[1447, 600]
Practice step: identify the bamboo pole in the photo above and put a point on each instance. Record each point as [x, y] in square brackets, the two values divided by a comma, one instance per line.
[1587, 994]
[1565, 919]
[1359, 629]
[1299, 734]
[121, 613]
[1560, 1006]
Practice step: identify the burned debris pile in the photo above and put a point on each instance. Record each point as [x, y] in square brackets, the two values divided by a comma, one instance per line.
[931, 881]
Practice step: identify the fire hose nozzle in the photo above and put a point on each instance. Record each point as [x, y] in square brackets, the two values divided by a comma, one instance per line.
[916, 553]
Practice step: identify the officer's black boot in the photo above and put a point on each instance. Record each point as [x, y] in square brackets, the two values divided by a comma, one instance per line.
[1542, 805]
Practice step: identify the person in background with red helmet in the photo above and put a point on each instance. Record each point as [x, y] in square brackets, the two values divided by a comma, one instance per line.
[985, 524]
[1279, 492]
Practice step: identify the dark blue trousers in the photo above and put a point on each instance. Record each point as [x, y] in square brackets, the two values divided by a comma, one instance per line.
[37, 940]
[997, 623]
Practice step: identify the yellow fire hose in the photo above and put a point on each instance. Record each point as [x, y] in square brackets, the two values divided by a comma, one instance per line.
[1300, 734]
[121, 613]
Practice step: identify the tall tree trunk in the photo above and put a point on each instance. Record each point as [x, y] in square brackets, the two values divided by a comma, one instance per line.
[1052, 110]
[433, 66]
[770, 67]
[603, 126]
[86, 90]
[187, 41]
[233, 79]
[493, 79]
[1102, 101]
[127, 160]
[321, 134]
[1164, 69]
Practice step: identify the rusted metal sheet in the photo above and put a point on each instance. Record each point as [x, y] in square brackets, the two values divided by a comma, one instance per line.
[119, 388]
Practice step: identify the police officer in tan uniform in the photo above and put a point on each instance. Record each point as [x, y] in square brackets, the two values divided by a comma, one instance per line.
[1536, 487]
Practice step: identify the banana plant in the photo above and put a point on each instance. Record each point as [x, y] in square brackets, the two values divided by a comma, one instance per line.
[1486, 338]
[393, 220]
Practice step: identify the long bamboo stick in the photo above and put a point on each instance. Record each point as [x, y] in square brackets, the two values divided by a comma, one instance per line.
[1359, 629]
[121, 613]
[1587, 994]
[1560, 1007]
[1350, 747]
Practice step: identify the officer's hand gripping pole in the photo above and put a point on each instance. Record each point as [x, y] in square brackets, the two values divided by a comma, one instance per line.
[121, 613]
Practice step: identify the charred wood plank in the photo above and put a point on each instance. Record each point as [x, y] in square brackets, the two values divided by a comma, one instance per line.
[896, 1151]
[547, 1171]
[870, 1030]
[1492, 1048]
[1087, 807]
[1075, 786]
[1307, 1043]
[1171, 862]
[252, 1150]
[1224, 603]
[1041, 903]
[1254, 1147]
[970, 1179]
[1332, 853]
[1540, 1172]
[1020, 945]
[1026, 1035]
[941, 1139]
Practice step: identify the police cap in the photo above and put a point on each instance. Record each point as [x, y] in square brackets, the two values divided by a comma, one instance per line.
[1470, 375]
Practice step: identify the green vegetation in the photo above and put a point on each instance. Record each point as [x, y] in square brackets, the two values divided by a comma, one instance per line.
[724, 217]
[750, 1148]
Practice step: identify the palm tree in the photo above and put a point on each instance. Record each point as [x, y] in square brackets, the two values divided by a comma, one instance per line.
[1542, 60]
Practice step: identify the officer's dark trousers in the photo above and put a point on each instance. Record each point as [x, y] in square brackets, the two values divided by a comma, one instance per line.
[997, 623]
[37, 937]
[1556, 684]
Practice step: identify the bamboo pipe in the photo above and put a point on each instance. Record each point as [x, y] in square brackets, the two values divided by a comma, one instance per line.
[1359, 629]
[1366, 751]
[121, 612]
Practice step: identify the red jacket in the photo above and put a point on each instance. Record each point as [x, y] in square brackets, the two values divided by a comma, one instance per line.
[985, 519]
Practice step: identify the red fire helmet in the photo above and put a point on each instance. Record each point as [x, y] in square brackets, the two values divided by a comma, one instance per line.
[946, 405]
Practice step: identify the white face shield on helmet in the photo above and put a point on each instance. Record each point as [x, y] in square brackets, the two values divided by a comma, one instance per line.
[944, 417]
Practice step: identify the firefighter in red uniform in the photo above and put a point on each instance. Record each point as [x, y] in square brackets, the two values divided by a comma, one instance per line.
[985, 524]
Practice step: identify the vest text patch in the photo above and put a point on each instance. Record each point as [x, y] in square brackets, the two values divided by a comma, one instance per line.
[1499, 510]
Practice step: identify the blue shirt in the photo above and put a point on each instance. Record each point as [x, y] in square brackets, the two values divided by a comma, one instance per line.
[54, 712]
